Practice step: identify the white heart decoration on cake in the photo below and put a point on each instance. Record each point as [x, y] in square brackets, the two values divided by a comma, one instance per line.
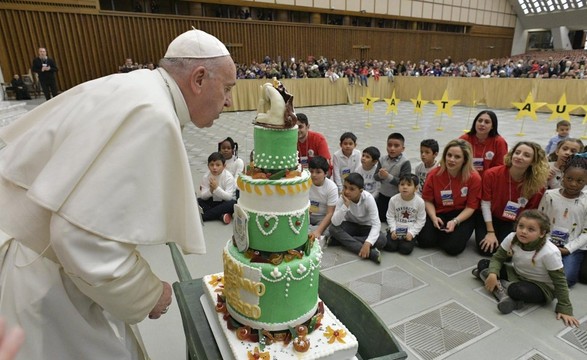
[293, 219]
[266, 219]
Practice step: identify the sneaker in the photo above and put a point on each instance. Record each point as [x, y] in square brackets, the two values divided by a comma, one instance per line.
[226, 218]
[507, 305]
[475, 273]
[375, 256]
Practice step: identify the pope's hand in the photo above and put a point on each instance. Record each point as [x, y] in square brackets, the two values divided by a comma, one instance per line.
[163, 304]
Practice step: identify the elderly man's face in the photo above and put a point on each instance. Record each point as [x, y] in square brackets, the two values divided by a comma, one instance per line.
[215, 94]
[42, 52]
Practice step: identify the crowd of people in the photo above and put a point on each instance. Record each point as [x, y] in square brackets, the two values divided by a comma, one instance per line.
[521, 205]
[550, 64]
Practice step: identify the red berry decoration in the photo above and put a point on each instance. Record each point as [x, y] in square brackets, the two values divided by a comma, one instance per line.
[266, 224]
[298, 223]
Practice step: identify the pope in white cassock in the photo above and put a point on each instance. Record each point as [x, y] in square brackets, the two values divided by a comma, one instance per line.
[84, 179]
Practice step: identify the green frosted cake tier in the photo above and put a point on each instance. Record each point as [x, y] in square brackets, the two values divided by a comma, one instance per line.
[276, 149]
[268, 296]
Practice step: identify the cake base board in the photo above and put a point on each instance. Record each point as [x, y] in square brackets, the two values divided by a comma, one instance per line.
[232, 348]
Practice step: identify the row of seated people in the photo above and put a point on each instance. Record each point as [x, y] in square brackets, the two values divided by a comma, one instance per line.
[129, 66]
[516, 203]
[568, 65]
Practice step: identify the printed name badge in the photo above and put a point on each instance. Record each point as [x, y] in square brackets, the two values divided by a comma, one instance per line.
[511, 210]
[401, 231]
[304, 162]
[478, 164]
[559, 236]
[314, 206]
[446, 196]
[345, 173]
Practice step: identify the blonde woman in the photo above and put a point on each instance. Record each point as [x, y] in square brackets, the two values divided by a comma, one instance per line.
[451, 193]
[508, 190]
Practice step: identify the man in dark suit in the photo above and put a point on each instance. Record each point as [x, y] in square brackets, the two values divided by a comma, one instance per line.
[46, 68]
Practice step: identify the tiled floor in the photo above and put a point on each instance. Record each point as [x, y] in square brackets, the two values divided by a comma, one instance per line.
[430, 301]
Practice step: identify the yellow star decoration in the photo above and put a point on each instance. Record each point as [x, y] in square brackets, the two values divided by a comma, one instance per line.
[335, 335]
[418, 102]
[392, 103]
[561, 110]
[445, 105]
[368, 102]
[528, 107]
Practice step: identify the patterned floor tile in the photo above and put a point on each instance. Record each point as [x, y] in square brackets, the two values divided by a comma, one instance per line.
[576, 337]
[441, 331]
[452, 265]
[533, 355]
[335, 256]
[385, 285]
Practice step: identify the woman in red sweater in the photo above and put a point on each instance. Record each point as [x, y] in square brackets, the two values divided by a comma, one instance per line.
[489, 148]
[507, 190]
[451, 194]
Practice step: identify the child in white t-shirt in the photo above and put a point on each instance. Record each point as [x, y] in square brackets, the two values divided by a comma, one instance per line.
[406, 216]
[536, 275]
[323, 197]
[346, 159]
[428, 152]
[217, 191]
[368, 168]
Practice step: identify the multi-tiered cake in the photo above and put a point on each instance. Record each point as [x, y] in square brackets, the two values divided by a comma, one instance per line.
[271, 266]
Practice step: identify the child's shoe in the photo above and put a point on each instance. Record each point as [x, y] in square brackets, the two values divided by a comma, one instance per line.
[375, 256]
[226, 218]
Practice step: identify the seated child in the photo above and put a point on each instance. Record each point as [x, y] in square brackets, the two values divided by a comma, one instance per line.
[428, 151]
[217, 191]
[229, 149]
[346, 159]
[566, 209]
[565, 149]
[355, 222]
[563, 128]
[406, 216]
[537, 274]
[393, 166]
[323, 197]
[368, 168]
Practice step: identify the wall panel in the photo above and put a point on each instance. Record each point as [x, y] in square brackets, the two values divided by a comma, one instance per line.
[87, 46]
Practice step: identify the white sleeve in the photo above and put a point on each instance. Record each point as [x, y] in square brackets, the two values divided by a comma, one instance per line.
[226, 187]
[339, 213]
[111, 273]
[205, 187]
[486, 210]
[420, 218]
[390, 215]
[336, 171]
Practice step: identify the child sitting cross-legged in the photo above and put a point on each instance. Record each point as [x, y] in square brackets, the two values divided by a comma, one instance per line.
[355, 223]
[217, 191]
[537, 274]
[406, 216]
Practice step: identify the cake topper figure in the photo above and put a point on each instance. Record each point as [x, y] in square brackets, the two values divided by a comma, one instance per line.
[275, 107]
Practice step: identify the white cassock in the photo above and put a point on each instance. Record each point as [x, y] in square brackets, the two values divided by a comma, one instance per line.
[84, 179]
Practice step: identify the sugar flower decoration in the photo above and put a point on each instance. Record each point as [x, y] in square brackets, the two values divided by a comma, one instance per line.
[335, 335]
[256, 355]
